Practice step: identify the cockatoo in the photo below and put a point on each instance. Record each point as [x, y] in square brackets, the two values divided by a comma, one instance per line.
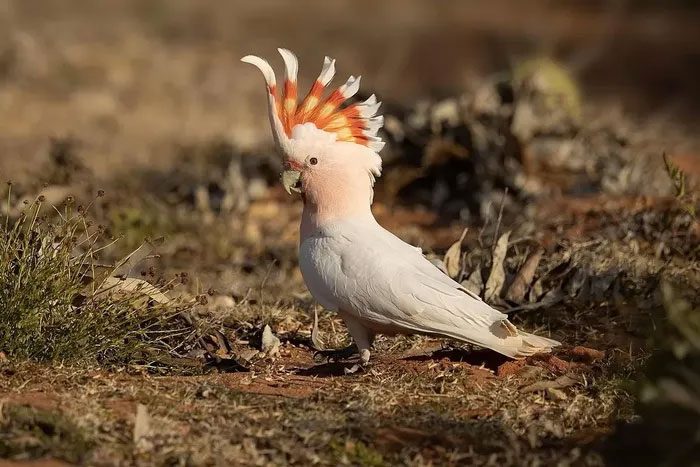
[351, 265]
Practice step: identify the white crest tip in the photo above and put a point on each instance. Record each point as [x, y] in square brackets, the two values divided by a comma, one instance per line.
[376, 146]
[370, 100]
[367, 111]
[328, 71]
[291, 64]
[262, 65]
[351, 87]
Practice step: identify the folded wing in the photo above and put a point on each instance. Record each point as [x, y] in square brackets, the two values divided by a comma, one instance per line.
[390, 282]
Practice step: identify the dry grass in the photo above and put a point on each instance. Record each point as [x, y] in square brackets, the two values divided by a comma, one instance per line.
[61, 304]
[407, 411]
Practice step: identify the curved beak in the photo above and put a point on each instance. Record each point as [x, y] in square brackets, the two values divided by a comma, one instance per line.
[291, 180]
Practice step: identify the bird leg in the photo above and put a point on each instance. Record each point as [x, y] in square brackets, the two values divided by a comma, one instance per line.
[362, 338]
[361, 335]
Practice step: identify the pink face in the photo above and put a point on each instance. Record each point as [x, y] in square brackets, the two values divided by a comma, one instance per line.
[334, 184]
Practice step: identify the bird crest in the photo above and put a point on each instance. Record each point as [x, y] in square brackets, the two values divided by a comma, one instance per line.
[352, 122]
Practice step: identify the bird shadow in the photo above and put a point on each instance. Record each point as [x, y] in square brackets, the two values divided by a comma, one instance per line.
[480, 357]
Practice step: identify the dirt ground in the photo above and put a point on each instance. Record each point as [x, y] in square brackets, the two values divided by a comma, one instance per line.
[148, 102]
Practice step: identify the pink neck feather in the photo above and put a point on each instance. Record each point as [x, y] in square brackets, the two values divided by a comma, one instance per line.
[330, 197]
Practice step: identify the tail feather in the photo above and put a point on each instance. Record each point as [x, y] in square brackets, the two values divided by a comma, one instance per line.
[502, 337]
[525, 344]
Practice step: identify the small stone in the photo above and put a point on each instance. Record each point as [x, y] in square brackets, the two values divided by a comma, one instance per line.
[270, 342]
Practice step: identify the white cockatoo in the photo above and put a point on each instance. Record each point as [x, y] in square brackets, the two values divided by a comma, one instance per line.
[377, 283]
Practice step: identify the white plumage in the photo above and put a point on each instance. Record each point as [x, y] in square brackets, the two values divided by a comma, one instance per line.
[380, 284]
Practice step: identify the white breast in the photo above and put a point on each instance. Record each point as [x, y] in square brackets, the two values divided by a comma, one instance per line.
[319, 259]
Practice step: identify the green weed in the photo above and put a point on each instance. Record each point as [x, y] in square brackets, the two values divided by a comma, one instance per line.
[58, 303]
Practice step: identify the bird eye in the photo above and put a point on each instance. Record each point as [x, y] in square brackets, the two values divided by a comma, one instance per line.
[313, 161]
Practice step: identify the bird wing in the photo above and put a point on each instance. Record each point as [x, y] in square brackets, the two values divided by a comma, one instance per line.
[396, 281]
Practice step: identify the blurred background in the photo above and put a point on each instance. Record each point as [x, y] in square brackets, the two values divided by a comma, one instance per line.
[132, 77]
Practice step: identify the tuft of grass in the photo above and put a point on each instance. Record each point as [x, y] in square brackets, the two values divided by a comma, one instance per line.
[27, 432]
[55, 304]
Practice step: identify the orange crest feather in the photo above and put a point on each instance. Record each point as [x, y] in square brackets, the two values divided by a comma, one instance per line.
[356, 122]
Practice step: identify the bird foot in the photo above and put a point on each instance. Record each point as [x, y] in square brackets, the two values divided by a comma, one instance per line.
[334, 355]
[356, 368]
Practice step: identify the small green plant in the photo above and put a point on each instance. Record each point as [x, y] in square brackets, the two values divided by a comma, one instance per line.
[557, 85]
[355, 452]
[57, 303]
[134, 223]
[678, 179]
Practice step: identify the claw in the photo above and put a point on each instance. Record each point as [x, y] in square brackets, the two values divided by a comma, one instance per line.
[335, 354]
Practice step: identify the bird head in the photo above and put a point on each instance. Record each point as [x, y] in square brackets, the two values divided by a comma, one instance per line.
[325, 142]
